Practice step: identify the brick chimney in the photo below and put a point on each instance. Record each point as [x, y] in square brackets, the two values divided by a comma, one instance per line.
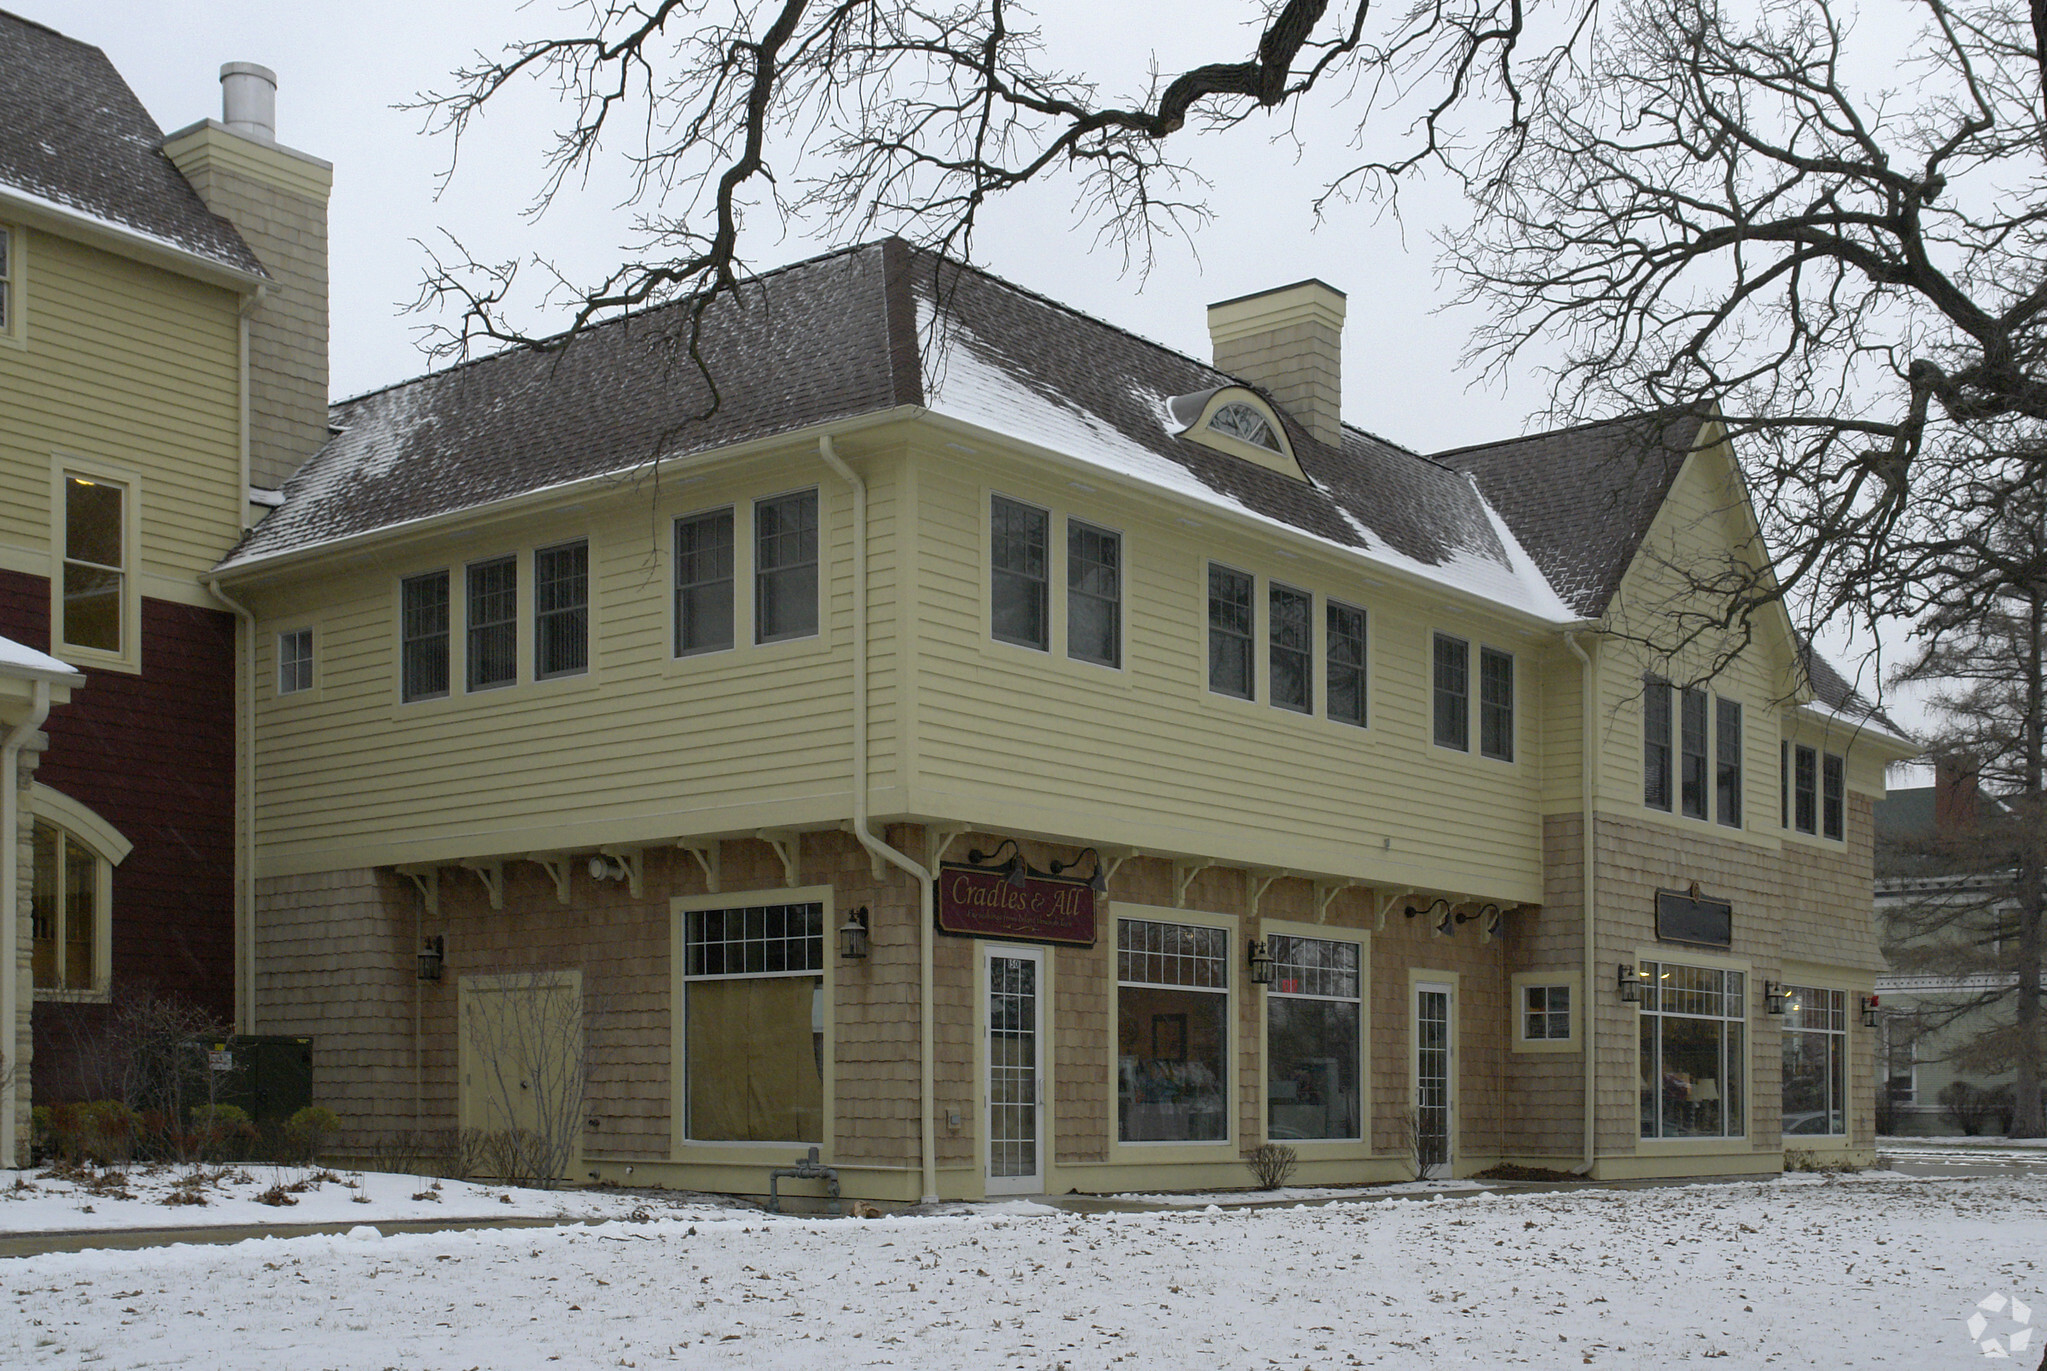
[1290, 342]
[277, 199]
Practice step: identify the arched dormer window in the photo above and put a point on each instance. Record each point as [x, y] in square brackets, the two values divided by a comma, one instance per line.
[1238, 420]
[71, 908]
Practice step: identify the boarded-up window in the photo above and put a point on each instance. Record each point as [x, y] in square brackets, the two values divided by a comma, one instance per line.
[754, 1023]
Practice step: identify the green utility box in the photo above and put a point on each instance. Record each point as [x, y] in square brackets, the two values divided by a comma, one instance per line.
[269, 1076]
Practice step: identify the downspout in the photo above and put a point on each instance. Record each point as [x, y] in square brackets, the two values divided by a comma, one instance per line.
[928, 1134]
[248, 307]
[245, 802]
[10, 912]
[1588, 779]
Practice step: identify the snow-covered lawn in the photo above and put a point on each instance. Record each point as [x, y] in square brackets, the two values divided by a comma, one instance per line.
[231, 1196]
[1794, 1273]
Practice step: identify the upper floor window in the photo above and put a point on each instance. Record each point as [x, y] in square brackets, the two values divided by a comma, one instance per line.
[95, 588]
[1094, 594]
[294, 661]
[1292, 650]
[703, 582]
[1238, 420]
[1692, 751]
[493, 624]
[1656, 743]
[69, 912]
[1496, 704]
[1453, 692]
[785, 567]
[8, 261]
[1727, 726]
[1702, 762]
[1833, 795]
[561, 610]
[1020, 574]
[423, 636]
[1804, 789]
[1229, 632]
[1346, 653]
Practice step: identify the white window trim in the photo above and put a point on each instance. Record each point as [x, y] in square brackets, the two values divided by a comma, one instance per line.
[1063, 612]
[1316, 1149]
[1170, 1150]
[529, 606]
[1364, 669]
[109, 848]
[1282, 461]
[15, 334]
[753, 578]
[277, 660]
[1570, 980]
[1752, 1007]
[129, 658]
[1055, 577]
[682, 1149]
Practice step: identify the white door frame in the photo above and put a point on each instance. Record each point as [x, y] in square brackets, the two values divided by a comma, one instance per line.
[1034, 1183]
[1447, 988]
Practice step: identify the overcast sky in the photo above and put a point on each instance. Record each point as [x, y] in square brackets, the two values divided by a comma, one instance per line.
[341, 72]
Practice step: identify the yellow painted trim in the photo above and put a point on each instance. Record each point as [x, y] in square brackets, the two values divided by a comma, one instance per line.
[1323, 1149]
[1679, 954]
[1575, 981]
[1649, 1167]
[1417, 977]
[1047, 1030]
[1283, 461]
[15, 334]
[64, 466]
[80, 820]
[1172, 1152]
[60, 221]
[1057, 655]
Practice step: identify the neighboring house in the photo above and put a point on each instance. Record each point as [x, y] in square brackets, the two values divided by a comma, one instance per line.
[162, 356]
[1939, 895]
[1007, 755]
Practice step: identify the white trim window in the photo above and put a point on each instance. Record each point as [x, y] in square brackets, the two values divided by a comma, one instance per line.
[1496, 704]
[1833, 796]
[95, 585]
[1815, 1062]
[1019, 574]
[785, 567]
[561, 610]
[1691, 730]
[69, 912]
[703, 582]
[1172, 1032]
[1313, 1020]
[1545, 1013]
[423, 636]
[8, 260]
[1345, 695]
[1290, 649]
[493, 623]
[1801, 787]
[1094, 594]
[294, 661]
[753, 1023]
[1656, 768]
[1692, 1034]
[1452, 692]
[1727, 738]
[1232, 651]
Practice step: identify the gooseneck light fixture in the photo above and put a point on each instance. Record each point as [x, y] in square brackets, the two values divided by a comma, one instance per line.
[1099, 882]
[853, 937]
[1016, 871]
[1437, 912]
[1261, 962]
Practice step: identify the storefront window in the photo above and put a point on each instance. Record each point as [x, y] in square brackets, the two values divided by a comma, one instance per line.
[1172, 1032]
[754, 1023]
[1311, 1040]
[1815, 1061]
[1691, 1026]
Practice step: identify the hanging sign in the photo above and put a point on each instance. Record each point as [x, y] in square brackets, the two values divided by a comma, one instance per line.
[974, 902]
[1686, 916]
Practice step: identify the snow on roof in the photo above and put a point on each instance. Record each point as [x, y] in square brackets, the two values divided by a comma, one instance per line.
[18, 659]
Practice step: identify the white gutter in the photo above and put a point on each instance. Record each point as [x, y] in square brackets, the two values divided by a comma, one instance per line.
[1588, 779]
[248, 307]
[928, 1134]
[123, 240]
[245, 777]
[10, 914]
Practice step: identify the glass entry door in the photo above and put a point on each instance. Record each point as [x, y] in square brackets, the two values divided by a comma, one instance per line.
[1015, 1034]
[1434, 1125]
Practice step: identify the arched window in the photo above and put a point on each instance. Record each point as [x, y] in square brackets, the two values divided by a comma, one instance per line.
[71, 910]
[1238, 420]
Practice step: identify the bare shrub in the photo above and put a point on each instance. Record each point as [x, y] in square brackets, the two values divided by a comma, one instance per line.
[1426, 1145]
[532, 1071]
[1271, 1164]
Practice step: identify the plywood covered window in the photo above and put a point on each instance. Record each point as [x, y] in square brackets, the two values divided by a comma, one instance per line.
[69, 912]
[95, 578]
[753, 1047]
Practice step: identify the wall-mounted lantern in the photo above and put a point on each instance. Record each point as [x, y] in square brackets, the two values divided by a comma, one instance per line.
[1775, 997]
[853, 940]
[1261, 962]
[432, 953]
[1629, 984]
[1869, 1014]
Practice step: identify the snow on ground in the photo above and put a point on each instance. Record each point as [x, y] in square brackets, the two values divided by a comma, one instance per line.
[1197, 1199]
[1890, 1141]
[1744, 1275]
[158, 1197]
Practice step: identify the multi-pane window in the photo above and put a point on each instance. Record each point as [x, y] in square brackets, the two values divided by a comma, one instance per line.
[1020, 574]
[95, 564]
[1833, 795]
[785, 567]
[423, 636]
[1545, 1013]
[1805, 765]
[1815, 1061]
[493, 623]
[1172, 1032]
[1453, 692]
[1496, 704]
[1692, 752]
[1230, 654]
[753, 1023]
[1312, 1044]
[1291, 658]
[65, 911]
[1346, 685]
[561, 610]
[294, 661]
[1691, 1024]
[1094, 594]
[1656, 743]
[1727, 776]
[703, 582]
[1901, 1058]
[6, 280]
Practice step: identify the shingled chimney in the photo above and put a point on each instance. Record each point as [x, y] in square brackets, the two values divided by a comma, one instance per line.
[277, 199]
[1290, 342]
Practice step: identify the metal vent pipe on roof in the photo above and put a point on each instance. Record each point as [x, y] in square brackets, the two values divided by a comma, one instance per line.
[248, 100]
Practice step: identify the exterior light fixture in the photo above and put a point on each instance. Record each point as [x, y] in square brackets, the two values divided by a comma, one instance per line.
[432, 952]
[853, 940]
[603, 868]
[1629, 984]
[1016, 871]
[1437, 912]
[1869, 1014]
[1261, 962]
[1775, 997]
[1099, 882]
